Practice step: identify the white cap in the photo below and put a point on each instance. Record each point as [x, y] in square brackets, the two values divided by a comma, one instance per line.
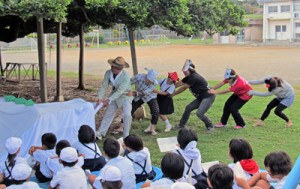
[228, 73]
[151, 75]
[21, 171]
[13, 144]
[187, 65]
[182, 185]
[69, 155]
[110, 173]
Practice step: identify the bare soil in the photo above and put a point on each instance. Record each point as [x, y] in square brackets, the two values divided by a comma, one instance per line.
[252, 62]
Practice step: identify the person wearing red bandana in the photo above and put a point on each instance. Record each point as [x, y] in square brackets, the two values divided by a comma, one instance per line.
[285, 97]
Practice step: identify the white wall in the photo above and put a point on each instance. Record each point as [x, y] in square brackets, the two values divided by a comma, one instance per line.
[282, 35]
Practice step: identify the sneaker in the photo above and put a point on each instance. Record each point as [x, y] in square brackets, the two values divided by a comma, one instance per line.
[239, 127]
[98, 135]
[153, 133]
[210, 129]
[178, 126]
[258, 123]
[288, 124]
[168, 128]
[219, 125]
[148, 130]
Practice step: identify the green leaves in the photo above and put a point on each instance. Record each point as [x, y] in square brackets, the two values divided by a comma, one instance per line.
[47, 9]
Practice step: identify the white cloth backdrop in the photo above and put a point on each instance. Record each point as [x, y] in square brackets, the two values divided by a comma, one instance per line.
[31, 122]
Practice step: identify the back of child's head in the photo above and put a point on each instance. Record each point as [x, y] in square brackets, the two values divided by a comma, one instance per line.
[172, 165]
[111, 147]
[134, 142]
[279, 163]
[110, 177]
[68, 156]
[240, 149]
[61, 145]
[86, 134]
[185, 136]
[20, 173]
[220, 176]
[12, 146]
[49, 140]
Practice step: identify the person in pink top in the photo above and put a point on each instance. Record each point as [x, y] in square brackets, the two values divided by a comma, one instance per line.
[239, 87]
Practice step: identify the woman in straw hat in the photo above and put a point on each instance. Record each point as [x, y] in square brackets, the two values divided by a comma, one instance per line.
[119, 97]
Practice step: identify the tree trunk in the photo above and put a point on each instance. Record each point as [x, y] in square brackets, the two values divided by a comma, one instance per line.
[41, 56]
[1, 66]
[58, 97]
[81, 59]
[133, 52]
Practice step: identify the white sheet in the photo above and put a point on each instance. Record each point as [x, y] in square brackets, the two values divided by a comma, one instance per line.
[31, 122]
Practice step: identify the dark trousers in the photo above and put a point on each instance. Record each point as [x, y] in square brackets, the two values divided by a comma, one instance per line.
[153, 106]
[202, 107]
[232, 106]
[278, 111]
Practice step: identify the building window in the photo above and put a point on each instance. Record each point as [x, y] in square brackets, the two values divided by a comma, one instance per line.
[285, 8]
[280, 28]
[298, 35]
[273, 9]
[224, 33]
[296, 7]
[297, 24]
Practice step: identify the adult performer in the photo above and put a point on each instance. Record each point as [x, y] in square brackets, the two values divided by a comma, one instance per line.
[199, 88]
[239, 87]
[119, 97]
[285, 97]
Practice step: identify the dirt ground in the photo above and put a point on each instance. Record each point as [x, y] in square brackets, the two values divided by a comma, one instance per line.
[252, 62]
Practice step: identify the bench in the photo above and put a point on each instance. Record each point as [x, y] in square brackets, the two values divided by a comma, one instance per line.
[13, 71]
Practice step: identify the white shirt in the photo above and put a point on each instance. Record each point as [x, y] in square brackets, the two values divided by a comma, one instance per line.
[127, 171]
[25, 185]
[42, 156]
[140, 158]
[88, 153]
[3, 169]
[70, 178]
[235, 186]
[191, 152]
[54, 164]
[165, 87]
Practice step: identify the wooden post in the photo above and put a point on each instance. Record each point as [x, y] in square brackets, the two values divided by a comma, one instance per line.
[58, 97]
[41, 56]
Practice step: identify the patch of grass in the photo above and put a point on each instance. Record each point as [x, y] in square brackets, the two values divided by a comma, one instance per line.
[214, 146]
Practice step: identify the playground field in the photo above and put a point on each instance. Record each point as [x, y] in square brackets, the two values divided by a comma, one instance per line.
[252, 62]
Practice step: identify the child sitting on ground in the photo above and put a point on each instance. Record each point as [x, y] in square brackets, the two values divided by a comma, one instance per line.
[140, 157]
[220, 176]
[41, 154]
[54, 163]
[240, 151]
[21, 174]
[111, 148]
[86, 145]
[165, 101]
[110, 178]
[71, 176]
[187, 140]
[278, 165]
[172, 166]
[13, 147]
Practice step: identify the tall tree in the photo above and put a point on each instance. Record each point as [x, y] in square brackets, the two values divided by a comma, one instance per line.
[213, 16]
[26, 9]
[82, 14]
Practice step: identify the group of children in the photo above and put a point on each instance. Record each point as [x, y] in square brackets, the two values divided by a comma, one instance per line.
[161, 103]
[65, 166]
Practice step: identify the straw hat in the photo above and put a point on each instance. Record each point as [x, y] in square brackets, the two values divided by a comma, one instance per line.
[118, 62]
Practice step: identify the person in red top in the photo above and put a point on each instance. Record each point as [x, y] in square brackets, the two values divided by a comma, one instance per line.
[239, 87]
